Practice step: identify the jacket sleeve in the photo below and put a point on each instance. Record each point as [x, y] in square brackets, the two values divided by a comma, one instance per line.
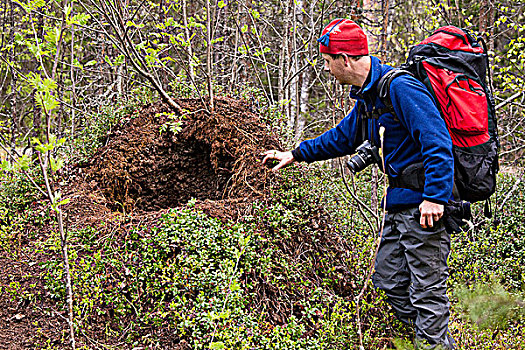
[336, 142]
[415, 108]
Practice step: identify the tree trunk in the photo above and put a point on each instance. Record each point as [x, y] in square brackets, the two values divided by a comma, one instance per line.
[13, 98]
[37, 111]
[209, 56]
[282, 90]
[233, 78]
[303, 105]
[73, 83]
[295, 89]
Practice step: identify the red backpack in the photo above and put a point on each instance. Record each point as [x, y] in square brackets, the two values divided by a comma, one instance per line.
[453, 66]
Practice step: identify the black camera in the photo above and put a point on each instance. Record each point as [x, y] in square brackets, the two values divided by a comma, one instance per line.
[366, 154]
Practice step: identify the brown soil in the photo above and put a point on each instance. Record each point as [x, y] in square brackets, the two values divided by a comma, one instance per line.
[27, 318]
[28, 312]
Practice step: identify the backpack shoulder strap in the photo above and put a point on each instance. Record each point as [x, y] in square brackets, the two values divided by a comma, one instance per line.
[383, 86]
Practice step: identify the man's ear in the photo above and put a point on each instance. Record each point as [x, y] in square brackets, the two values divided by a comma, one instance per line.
[346, 59]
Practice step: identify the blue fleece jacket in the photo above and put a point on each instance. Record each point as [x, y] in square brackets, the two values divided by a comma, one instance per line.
[418, 134]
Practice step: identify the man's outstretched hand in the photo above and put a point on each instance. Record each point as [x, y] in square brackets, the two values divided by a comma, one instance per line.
[430, 213]
[284, 158]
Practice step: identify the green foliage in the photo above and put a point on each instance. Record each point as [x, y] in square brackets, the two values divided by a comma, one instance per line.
[99, 126]
[401, 344]
[481, 253]
[173, 123]
[44, 91]
[489, 305]
[202, 277]
[17, 196]
[16, 192]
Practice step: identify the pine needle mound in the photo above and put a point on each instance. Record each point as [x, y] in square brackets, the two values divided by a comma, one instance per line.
[148, 166]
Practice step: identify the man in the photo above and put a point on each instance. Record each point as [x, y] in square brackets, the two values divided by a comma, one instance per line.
[411, 265]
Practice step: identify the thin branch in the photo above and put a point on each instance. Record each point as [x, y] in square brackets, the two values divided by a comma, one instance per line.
[510, 99]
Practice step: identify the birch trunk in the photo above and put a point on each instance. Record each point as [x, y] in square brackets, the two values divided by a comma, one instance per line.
[187, 38]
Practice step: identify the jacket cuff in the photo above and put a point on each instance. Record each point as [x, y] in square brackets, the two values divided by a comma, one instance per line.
[298, 156]
[436, 201]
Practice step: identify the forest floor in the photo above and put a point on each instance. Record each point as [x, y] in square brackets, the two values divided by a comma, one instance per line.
[154, 160]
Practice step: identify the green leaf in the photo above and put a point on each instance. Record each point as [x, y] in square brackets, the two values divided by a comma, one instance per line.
[48, 102]
[56, 164]
[217, 345]
[244, 28]
[6, 166]
[38, 145]
[19, 39]
[60, 141]
[67, 10]
[48, 85]
[234, 287]
[64, 201]
[119, 60]
[255, 14]
[76, 63]
[52, 36]
[217, 40]
[133, 24]
[31, 5]
[34, 49]
[90, 63]
[24, 162]
[221, 4]
[80, 18]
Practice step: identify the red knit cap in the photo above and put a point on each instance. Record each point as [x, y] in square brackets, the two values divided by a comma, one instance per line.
[343, 36]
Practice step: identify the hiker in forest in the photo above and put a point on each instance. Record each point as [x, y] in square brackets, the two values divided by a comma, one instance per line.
[411, 264]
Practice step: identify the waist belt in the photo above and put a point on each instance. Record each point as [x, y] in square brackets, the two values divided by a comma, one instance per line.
[412, 177]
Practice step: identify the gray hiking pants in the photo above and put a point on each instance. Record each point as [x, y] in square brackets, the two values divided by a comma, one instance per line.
[411, 267]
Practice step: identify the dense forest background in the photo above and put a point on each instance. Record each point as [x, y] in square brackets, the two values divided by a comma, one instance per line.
[91, 54]
[100, 99]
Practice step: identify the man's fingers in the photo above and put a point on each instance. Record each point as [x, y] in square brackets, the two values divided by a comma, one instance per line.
[281, 164]
[430, 221]
[426, 220]
[278, 166]
[430, 213]
[269, 155]
[283, 159]
[423, 221]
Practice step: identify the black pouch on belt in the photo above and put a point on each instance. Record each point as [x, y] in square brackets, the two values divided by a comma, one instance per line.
[455, 214]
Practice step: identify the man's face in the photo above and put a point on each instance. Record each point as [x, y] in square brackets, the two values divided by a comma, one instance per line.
[338, 68]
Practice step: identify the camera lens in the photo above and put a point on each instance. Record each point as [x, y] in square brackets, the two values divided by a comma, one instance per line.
[356, 163]
[365, 155]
